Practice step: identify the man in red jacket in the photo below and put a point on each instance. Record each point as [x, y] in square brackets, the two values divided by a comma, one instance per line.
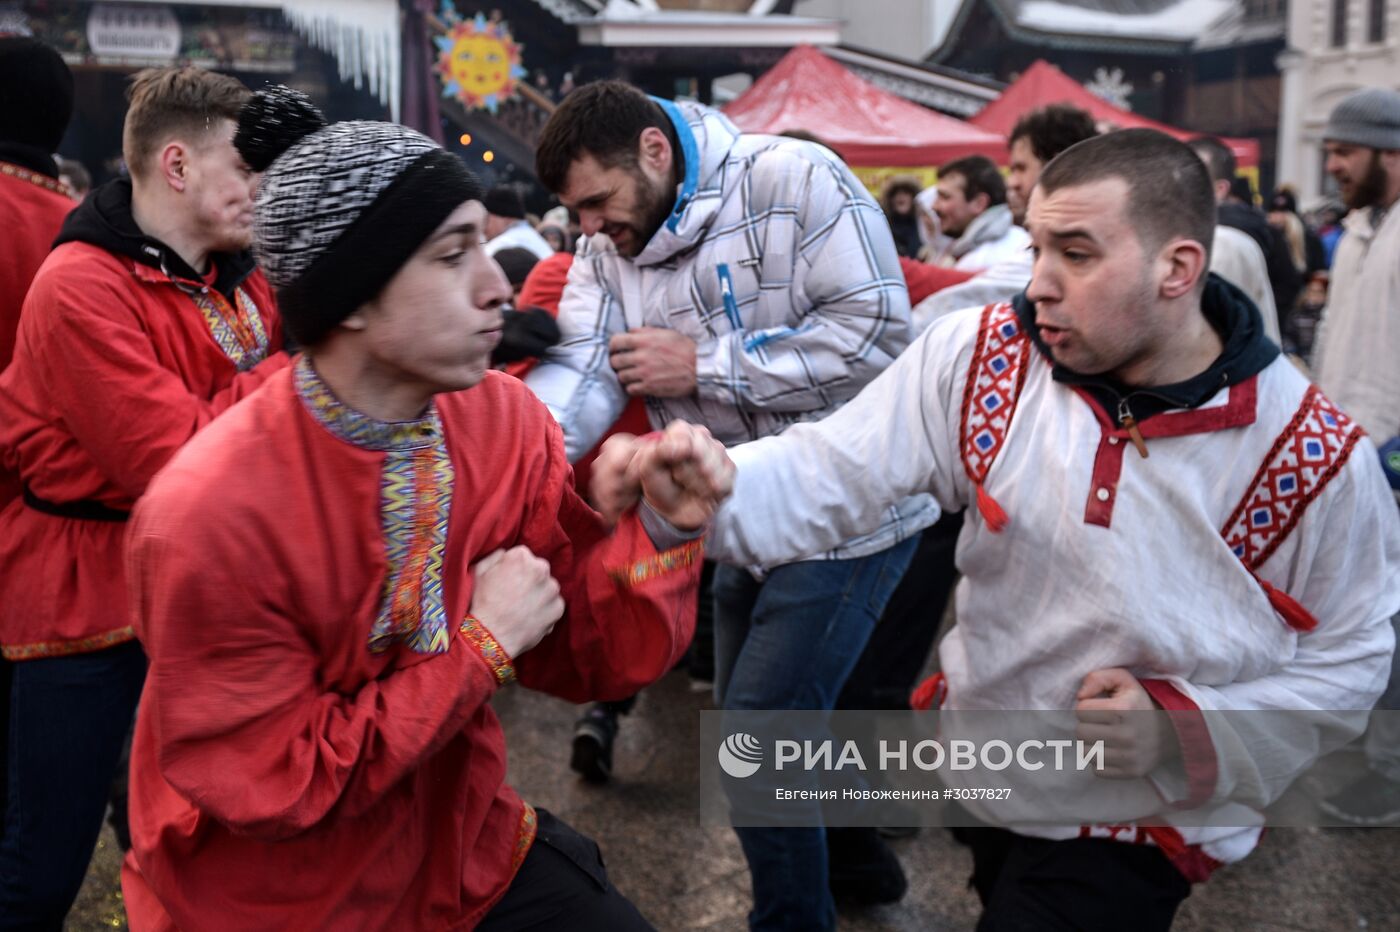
[334, 580]
[145, 322]
[36, 100]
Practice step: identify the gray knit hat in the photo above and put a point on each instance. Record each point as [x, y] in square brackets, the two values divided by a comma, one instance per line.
[1369, 117]
[340, 208]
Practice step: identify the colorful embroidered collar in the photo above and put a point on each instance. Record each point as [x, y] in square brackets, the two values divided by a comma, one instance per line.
[21, 173]
[359, 429]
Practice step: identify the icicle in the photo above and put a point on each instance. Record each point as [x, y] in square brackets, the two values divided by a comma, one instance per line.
[1298, 618]
[362, 36]
[991, 512]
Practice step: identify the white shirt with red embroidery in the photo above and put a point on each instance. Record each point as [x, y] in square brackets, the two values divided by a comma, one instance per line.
[1251, 561]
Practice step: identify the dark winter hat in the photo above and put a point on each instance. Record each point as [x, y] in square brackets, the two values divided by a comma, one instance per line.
[505, 202]
[1369, 117]
[516, 263]
[340, 208]
[1284, 200]
[36, 93]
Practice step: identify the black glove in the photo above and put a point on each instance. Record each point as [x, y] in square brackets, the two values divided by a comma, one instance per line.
[525, 335]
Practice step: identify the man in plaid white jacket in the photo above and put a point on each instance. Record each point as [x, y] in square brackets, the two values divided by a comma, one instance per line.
[746, 283]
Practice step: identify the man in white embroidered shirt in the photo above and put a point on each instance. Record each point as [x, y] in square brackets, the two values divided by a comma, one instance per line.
[1167, 516]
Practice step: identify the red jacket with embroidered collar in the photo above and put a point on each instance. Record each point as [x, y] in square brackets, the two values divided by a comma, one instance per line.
[32, 208]
[123, 354]
[316, 747]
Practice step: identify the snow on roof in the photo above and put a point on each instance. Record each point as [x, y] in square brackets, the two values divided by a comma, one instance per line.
[1184, 20]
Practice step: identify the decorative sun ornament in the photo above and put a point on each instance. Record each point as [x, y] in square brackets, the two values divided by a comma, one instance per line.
[478, 61]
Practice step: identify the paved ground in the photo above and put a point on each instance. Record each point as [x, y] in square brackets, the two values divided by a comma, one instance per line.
[685, 876]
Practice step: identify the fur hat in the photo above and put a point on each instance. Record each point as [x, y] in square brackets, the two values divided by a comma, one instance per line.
[36, 93]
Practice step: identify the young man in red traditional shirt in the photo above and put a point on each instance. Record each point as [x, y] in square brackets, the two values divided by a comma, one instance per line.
[334, 580]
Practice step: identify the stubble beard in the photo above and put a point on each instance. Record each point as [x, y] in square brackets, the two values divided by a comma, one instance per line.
[653, 207]
[1369, 191]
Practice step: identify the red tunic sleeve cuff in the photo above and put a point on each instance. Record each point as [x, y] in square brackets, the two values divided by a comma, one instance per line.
[1197, 748]
[659, 564]
[483, 642]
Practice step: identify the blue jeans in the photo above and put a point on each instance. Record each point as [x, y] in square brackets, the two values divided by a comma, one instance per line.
[68, 719]
[789, 642]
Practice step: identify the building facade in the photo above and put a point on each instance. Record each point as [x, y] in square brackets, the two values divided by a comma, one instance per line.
[1334, 48]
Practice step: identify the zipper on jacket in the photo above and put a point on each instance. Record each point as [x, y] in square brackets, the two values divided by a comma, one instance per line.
[1129, 423]
[726, 290]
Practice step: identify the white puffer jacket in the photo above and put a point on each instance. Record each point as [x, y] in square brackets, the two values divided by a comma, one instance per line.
[778, 264]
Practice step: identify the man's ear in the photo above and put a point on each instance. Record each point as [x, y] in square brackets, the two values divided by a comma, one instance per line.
[1186, 264]
[654, 150]
[981, 203]
[1222, 191]
[173, 163]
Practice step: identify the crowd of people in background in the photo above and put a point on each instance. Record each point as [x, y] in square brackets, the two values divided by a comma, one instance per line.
[290, 365]
[962, 223]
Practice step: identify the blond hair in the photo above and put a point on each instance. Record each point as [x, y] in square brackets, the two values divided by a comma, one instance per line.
[169, 103]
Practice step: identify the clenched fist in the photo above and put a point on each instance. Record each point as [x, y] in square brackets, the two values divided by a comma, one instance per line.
[684, 474]
[1134, 744]
[516, 598]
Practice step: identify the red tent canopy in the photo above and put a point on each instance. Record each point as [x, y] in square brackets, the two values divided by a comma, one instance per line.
[865, 124]
[1044, 84]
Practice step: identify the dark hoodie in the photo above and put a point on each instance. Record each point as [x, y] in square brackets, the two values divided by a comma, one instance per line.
[105, 220]
[1284, 278]
[1246, 353]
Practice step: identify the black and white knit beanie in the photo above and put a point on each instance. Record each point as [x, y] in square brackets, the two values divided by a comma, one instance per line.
[340, 208]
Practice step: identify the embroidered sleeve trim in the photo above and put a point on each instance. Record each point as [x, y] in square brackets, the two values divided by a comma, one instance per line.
[42, 649]
[667, 561]
[490, 649]
[524, 837]
[1306, 456]
[994, 383]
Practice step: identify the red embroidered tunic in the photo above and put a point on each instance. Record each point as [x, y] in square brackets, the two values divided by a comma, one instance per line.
[116, 367]
[315, 747]
[32, 208]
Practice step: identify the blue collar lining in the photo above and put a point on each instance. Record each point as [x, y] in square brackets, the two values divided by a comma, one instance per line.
[691, 153]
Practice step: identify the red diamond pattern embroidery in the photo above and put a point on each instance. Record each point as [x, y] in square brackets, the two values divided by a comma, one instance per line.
[1311, 450]
[993, 384]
